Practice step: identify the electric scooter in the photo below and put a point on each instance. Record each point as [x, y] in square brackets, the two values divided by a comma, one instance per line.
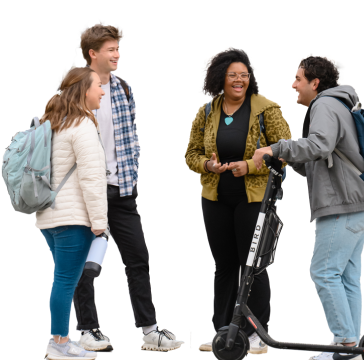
[231, 342]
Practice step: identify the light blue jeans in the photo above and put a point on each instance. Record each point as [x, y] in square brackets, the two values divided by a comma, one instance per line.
[336, 270]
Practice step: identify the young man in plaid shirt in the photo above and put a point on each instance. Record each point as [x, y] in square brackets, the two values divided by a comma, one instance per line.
[116, 116]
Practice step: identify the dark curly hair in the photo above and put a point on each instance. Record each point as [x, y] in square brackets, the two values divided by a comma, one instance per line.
[316, 67]
[215, 76]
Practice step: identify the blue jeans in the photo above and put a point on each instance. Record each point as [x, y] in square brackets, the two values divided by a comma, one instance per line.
[69, 246]
[336, 270]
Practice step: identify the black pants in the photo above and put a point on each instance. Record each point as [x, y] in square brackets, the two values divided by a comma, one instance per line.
[230, 224]
[126, 230]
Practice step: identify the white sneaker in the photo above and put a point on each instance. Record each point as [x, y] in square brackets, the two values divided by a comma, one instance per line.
[69, 350]
[160, 341]
[325, 355]
[257, 346]
[206, 347]
[94, 340]
[336, 355]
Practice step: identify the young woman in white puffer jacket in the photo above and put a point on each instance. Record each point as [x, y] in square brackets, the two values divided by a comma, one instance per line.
[80, 210]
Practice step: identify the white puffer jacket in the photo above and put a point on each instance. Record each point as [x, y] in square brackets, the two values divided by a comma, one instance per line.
[83, 199]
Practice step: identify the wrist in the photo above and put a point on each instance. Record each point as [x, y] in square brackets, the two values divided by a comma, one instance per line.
[205, 165]
[247, 166]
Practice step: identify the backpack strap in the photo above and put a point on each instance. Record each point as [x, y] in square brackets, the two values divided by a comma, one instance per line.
[60, 186]
[125, 87]
[207, 113]
[340, 154]
[263, 130]
[207, 110]
[35, 122]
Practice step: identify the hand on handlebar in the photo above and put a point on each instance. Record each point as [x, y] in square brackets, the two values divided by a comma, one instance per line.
[258, 156]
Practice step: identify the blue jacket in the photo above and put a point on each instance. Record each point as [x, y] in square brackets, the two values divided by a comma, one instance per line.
[335, 190]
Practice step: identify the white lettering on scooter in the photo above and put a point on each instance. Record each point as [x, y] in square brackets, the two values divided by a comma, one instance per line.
[256, 235]
[255, 240]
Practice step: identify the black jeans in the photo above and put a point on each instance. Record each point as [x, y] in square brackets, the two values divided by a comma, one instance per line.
[126, 230]
[230, 224]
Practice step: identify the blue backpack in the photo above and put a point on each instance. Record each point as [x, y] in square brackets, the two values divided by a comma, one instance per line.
[26, 169]
[262, 130]
[358, 116]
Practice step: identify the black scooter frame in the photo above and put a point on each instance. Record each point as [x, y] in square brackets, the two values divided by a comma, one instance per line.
[273, 191]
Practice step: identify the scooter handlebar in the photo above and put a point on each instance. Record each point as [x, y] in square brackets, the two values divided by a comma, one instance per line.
[273, 164]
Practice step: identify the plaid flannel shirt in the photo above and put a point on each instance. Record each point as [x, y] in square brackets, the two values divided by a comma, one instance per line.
[126, 138]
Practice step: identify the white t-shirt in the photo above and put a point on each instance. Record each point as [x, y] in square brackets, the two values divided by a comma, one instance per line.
[104, 118]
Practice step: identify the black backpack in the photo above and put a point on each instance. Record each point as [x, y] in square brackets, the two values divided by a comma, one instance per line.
[125, 87]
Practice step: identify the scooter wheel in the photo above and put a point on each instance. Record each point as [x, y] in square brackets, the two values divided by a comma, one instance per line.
[239, 350]
[361, 344]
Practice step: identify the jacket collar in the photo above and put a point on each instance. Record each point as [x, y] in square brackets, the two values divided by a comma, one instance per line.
[258, 104]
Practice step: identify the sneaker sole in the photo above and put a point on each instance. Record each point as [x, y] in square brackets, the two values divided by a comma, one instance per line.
[108, 348]
[205, 348]
[57, 357]
[150, 347]
[262, 351]
[50, 356]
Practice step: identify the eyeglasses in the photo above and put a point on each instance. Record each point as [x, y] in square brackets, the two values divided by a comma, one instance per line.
[234, 76]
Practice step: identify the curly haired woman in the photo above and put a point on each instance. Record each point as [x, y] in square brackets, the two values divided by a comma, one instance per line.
[223, 139]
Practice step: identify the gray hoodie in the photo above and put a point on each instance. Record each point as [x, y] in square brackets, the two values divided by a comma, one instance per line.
[335, 190]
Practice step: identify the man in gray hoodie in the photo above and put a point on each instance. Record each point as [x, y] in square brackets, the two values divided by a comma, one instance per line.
[336, 194]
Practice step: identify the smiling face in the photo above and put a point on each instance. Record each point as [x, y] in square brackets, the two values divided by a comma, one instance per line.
[106, 59]
[236, 89]
[307, 91]
[94, 93]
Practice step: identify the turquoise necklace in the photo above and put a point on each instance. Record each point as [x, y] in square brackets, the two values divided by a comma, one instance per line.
[229, 119]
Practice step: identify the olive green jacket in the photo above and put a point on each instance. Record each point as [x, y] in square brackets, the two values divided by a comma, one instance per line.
[203, 143]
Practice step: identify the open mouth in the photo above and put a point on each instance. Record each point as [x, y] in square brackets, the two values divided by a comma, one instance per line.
[238, 87]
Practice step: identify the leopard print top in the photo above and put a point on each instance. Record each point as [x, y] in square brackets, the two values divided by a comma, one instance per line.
[203, 143]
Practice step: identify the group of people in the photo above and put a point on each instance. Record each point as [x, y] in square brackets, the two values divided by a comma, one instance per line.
[226, 147]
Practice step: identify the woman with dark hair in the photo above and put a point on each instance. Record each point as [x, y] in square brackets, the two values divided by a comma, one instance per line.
[223, 139]
[80, 210]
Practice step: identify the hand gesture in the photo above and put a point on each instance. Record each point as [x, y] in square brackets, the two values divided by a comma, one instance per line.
[215, 167]
[239, 168]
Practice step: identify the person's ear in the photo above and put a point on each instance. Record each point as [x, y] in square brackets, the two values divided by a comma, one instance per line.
[92, 54]
[315, 84]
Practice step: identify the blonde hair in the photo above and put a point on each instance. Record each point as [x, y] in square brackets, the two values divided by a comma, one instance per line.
[69, 107]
